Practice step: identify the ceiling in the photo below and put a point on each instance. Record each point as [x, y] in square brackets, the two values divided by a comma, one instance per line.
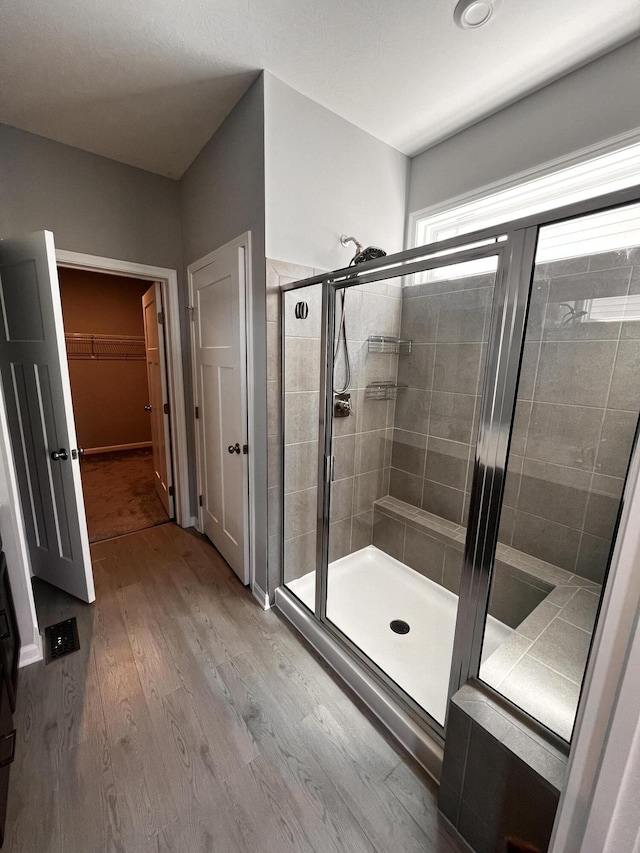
[148, 82]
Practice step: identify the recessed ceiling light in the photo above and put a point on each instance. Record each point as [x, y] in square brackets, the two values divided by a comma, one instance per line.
[470, 14]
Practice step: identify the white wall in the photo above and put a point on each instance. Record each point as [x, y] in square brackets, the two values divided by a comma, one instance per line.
[326, 177]
[595, 103]
[222, 196]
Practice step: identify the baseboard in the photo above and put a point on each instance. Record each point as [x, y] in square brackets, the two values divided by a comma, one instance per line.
[113, 448]
[31, 653]
[261, 596]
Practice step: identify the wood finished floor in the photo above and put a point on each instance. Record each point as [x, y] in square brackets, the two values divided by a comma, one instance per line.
[193, 721]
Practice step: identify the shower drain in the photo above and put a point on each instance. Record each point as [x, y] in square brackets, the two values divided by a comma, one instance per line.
[399, 626]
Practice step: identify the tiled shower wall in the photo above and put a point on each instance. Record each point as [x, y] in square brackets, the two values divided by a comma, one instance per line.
[575, 418]
[362, 441]
[576, 415]
[437, 413]
[278, 274]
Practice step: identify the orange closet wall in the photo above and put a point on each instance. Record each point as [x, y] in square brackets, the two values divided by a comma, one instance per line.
[108, 396]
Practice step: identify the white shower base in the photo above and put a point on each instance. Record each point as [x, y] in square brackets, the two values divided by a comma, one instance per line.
[366, 590]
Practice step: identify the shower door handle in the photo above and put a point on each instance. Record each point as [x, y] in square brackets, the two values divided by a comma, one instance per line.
[329, 468]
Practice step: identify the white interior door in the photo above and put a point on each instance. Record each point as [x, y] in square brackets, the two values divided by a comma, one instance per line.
[218, 297]
[37, 396]
[158, 396]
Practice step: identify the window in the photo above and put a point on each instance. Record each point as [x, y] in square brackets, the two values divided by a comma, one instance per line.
[600, 174]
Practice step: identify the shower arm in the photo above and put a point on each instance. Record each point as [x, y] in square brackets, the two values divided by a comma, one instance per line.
[345, 240]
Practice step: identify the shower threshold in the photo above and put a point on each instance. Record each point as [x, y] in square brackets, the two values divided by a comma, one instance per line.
[369, 590]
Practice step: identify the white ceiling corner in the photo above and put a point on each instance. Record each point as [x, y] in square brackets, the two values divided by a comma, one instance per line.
[148, 83]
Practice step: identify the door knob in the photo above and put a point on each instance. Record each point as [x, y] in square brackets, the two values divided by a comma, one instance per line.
[234, 448]
[58, 455]
[147, 408]
[77, 453]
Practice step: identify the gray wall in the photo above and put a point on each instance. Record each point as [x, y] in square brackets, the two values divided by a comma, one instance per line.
[100, 207]
[222, 192]
[222, 196]
[91, 204]
[326, 177]
[592, 104]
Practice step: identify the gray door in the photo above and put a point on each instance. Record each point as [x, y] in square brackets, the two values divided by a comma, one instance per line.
[37, 396]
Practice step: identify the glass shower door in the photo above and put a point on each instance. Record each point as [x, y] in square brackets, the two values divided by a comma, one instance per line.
[572, 436]
[409, 357]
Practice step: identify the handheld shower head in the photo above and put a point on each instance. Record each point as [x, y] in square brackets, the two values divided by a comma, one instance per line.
[362, 255]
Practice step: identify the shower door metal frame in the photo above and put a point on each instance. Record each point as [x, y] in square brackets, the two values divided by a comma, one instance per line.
[491, 243]
[515, 245]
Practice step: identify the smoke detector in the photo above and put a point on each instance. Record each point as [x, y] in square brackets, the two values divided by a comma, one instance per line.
[471, 14]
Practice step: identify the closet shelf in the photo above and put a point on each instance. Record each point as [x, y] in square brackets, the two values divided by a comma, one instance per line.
[382, 390]
[103, 347]
[388, 344]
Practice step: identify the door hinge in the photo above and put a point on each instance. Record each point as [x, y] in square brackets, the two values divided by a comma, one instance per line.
[161, 317]
[172, 491]
[197, 412]
[165, 408]
[245, 449]
[191, 311]
[200, 500]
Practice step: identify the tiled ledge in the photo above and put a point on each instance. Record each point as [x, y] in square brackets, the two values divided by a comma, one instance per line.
[450, 533]
[434, 525]
[537, 752]
[499, 777]
[540, 667]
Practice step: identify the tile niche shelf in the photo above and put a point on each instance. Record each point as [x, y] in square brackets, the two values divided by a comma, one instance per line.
[383, 389]
[388, 344]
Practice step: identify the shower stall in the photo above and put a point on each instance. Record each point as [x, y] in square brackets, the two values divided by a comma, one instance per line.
[451, 513]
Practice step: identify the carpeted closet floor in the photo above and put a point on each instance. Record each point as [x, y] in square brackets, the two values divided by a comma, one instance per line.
[119, 493]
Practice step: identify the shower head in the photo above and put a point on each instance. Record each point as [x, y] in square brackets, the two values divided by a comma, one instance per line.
[362, 255]
[367, 254]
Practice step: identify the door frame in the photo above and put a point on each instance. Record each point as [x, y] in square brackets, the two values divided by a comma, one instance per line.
[241, 242]
[168, 279]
